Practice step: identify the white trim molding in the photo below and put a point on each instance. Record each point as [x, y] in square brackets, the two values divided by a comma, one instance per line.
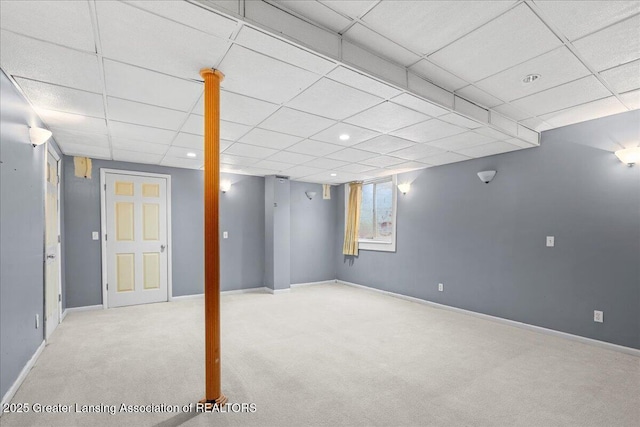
[83, 308]
[259, 290]
[23, 374]
[324, 282]
[539, 329]
[277, 291]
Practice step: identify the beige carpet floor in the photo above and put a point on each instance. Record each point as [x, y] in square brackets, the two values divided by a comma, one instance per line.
[329, 355]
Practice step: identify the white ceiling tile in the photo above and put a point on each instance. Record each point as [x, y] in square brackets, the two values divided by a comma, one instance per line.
[283, 51]
[409, 166]
[74, 122]
[383, 161]
[492, 133]
[588, 111]
[362, 82]
[556, 67]
[623, 78]
[478, 96]
[463, 140]
[85, 150]
[424, 26]
[564, 96]
[351, 155]
[314, 148]
[241, 109]
[293, 158]
[269, 139]
[188, 140]
[300, 171]
[420, 105]
[334, 100]
[536, 124]
[271, 165]
[317, 12]
[259, 76]
[24, 57]
[186, 153]
[576, 19]
[230, 159]
[374, 42]
[386, 117]
[445, 158]
[437, 75]
[351, 8]
[139, 146]
[512, 112]
[195, 125]
[136, 156]
[514, 37]
[428, 131]
[324, 163]
[179, 162]
[375, 65]
[252, 170]
[67, 137]
[384, 144]
[416, 152]
[458, 120]
[50, 21]
[250, 151]
[160, 44]
[232, 131]
[612, 46]
[140, 133]
[520, 143]
[296, 123]
[631, 99]
[322, 178]
[137, 84]
[356, 134]
[377, 173]
[143, 114]
[191, 15]
[59, 98]
[490, 149]
[231, 5]
[355, 168]
[224, 144]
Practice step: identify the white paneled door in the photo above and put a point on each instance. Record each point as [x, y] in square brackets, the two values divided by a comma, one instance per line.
[136, 239]
[52, 246]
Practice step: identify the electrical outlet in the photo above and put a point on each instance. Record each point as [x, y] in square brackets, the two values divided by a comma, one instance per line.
[551, 241]
[598, 316]
[440, 287]
[37, 321]
[95, 235]
[225, 234]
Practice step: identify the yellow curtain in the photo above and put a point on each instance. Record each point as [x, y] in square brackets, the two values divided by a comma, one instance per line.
[353, 220]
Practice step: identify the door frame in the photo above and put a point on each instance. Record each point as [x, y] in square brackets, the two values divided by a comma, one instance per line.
[56, 156]
[103, 227]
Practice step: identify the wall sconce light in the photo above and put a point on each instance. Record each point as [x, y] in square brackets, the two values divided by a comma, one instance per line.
[310, 194]
[225, 186]
[486, 176]
[405, 187]
[630, 156]
[39, 136]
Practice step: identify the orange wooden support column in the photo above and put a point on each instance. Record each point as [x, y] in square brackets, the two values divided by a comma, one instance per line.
[212, 79]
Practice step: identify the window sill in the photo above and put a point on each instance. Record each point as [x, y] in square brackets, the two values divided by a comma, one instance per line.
[372, 245]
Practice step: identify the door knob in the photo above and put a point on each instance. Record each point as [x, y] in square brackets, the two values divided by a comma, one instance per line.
[162, 248]
[51, 256]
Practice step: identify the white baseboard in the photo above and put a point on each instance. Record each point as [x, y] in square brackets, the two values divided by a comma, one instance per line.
[277, 291]
[84, 308]
[324, 282]
[186, 297]
[261, 289]
[539, 329]
[23, 374]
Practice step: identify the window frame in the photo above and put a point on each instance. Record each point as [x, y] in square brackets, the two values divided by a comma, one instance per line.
[372, 244]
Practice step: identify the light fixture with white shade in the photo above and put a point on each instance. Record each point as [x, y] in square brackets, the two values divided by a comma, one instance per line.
[486, 176]
[405, 187]
[310, 194]
[225, 186]
[630, 156]
[39, 136]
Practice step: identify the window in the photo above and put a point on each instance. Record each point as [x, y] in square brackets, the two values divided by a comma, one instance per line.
[377, 230]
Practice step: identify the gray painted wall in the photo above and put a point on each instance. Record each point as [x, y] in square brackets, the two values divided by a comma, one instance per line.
[241, 214]
[277, 232]
[21, 234]
[486, 243]
[313, 230]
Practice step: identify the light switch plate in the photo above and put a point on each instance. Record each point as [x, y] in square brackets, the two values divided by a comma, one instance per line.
[440, 287]
[598, 316]
[95, 235]
[225, 234]
[551, 241]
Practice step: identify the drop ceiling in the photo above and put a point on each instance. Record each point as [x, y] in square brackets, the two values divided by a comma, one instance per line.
[413, 84]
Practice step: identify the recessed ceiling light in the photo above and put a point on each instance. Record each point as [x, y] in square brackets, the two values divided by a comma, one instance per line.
[191, 154]
[334, 174]
[344, 137]
[530, 78]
